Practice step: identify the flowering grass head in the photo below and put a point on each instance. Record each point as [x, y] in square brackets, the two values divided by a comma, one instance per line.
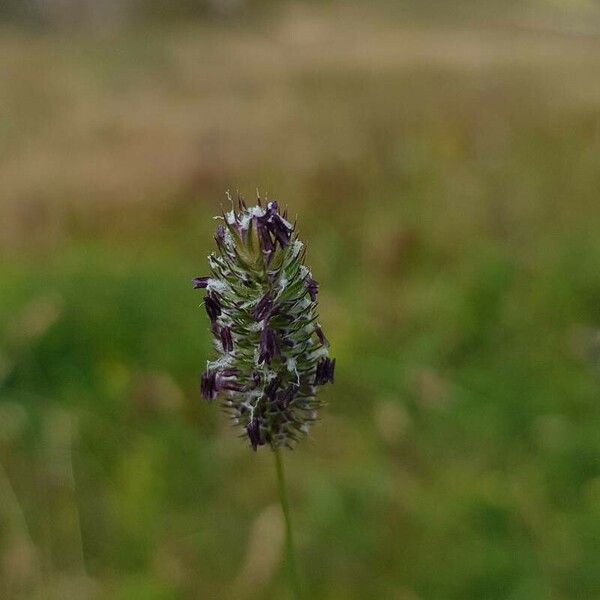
[261, 300]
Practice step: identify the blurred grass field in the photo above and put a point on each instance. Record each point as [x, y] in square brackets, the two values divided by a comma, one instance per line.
[446, 176]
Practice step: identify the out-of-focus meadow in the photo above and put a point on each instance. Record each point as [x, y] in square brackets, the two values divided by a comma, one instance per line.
[445, 170]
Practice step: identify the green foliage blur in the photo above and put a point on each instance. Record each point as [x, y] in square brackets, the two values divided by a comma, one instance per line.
[446, 176]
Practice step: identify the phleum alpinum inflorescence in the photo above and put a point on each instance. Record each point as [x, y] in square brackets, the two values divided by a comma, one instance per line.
[261, 300]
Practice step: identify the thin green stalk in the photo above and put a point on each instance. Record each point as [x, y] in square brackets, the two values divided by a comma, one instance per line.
[289, 541]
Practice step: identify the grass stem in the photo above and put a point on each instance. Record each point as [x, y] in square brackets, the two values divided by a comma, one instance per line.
[289, 541]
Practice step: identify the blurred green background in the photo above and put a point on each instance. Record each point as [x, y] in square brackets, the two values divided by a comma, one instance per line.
[444, 163]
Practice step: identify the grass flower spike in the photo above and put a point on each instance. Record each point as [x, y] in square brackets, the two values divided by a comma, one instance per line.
[261, 300]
